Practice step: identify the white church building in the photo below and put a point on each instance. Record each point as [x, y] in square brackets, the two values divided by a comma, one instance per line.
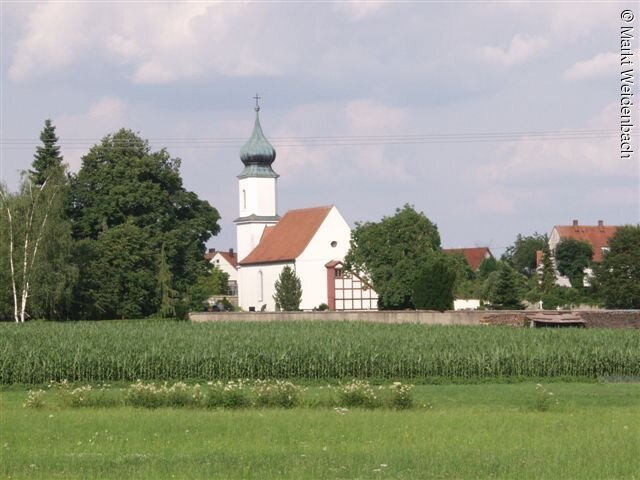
[312, 241]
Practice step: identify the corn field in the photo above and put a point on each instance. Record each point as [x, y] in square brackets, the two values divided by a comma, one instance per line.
[38, 352]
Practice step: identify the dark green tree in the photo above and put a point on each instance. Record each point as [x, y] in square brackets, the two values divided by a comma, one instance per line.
[215, 282]
[507, 293]
[288, 290]
[122, 183]
[572, 257]
[548, 279]
[389, 254]
[522, 254]
[47, 156]
[435, 283]
[487, 266]
[168, 296]
[619, 273]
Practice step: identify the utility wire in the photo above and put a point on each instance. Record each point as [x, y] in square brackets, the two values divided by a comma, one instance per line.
[330, 141]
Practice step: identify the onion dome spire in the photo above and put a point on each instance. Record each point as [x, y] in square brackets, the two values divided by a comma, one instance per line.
[257, 153]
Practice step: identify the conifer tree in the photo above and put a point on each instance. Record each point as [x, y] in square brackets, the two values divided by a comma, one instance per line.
[47, 156]
[288, 290]
[167, 294]
[548, 272]
[507, 292]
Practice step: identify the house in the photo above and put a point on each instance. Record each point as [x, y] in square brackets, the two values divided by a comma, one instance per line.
[595, 235]
[227, 261]
[474, 255]
[304, 239]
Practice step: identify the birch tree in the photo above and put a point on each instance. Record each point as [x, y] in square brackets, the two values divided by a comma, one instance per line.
[25, 217]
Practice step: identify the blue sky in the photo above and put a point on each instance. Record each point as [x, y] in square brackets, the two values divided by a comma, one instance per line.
[364, 76]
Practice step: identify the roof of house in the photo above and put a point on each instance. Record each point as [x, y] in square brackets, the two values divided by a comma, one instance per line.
[474, 255]
[286, 240]
[230, 256]
[597, 235]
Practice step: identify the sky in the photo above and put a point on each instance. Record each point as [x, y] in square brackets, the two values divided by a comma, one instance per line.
[493, 119]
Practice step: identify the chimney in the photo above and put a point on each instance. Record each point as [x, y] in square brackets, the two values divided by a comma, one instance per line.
[231, 252]
[212, 250]
[601, 225]
[575, 225]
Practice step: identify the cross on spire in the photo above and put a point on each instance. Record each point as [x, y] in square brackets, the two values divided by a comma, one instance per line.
[257, 97]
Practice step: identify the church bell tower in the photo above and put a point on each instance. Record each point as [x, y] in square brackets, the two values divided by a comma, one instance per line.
[257, 189]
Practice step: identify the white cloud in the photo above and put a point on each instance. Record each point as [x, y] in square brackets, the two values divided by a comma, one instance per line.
[535, 160]
[104, 115]
[521, 49]
[55, 34]
[359, 9]
[601, 64]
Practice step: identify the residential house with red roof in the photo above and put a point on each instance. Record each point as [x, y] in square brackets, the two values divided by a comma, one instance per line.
[474, 255]
[596, 235]
[227, 261]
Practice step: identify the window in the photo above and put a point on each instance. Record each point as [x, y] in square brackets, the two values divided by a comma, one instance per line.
[244, 199]
[334, 244]
[260, 286]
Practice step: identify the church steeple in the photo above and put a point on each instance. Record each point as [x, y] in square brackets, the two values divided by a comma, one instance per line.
[257, 189]
[257, 153]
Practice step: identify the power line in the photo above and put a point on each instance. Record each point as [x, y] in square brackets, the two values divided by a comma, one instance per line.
[331, 141]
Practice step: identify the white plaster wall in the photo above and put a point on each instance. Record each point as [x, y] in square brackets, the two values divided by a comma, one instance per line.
[248, 237]
[554, 239]
[261, 196]
[466, 304]
[221, 262]
[310, 265]
[249, 294]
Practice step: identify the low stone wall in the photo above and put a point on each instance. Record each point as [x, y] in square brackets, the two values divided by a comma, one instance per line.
[593, 318]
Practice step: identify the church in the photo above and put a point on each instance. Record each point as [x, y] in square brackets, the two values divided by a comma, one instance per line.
[312, 241]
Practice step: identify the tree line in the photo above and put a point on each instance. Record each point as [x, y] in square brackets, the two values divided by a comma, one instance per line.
[122, 238]
[402, 257]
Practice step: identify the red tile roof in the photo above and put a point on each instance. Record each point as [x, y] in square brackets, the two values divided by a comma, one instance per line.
[230, 256]
[286, 240]
[597, 235]
[474, 255]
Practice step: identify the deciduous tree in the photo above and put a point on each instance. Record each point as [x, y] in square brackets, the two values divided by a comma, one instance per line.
[619, 273]
[522, 254]
[572, 257]
[125, 186]
[390, 253]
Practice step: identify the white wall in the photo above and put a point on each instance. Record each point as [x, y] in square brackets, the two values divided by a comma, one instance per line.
[258, 196]
[221, 262]
[310, 265]
[249, 282]
[248, 236]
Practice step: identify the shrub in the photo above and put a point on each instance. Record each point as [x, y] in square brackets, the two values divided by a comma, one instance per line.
[358, 393]
[233, 394]
[278, 393]
[544, 399]
[401, 395]
[35, 399]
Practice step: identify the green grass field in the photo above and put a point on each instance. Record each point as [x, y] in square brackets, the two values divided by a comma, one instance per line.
[470, 431]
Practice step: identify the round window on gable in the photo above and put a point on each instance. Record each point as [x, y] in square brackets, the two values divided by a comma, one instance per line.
[334, 244]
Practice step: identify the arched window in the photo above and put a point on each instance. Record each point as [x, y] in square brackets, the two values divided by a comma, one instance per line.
[244, 199]
[260, 286]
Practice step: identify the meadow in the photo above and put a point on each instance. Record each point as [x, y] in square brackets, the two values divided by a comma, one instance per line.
[124, 351]
[464, 431]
